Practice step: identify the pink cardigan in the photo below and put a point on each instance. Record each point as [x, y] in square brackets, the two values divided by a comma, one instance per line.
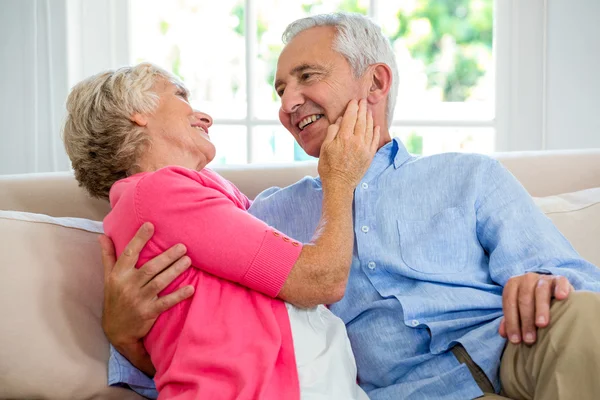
[232, 339]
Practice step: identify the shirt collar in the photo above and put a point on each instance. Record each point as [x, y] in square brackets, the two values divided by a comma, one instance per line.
[399, 153]
[392, 152]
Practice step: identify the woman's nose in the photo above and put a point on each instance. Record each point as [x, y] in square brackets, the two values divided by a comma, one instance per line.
[207, 119]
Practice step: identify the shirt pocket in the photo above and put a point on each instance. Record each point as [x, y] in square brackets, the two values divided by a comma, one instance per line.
[436, 245]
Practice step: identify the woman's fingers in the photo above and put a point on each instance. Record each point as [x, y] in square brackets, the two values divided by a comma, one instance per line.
[361, 119]
[332, 131]
[349, 119]
[369, 130]
[376, 138]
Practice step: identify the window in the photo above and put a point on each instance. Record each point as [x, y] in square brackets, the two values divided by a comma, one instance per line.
[226, 53]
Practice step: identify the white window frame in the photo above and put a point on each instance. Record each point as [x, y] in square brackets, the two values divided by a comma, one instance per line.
[519, 52]
[521, 31]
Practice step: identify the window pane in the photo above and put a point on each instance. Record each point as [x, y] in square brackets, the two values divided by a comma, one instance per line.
[274, 144]
[273, 17]
[230, 141]
[427, 141]
[444, 54]
[200, 41]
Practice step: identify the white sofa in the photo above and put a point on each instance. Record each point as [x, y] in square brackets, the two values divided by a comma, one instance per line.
[51, 341]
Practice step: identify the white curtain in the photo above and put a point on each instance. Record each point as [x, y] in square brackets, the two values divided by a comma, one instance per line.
[33, 82]
[46, 46]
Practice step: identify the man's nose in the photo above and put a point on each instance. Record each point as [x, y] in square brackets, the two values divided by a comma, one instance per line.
[207, 119]
[291, 100]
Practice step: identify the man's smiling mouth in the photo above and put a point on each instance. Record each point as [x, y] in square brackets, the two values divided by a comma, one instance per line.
[309, 120]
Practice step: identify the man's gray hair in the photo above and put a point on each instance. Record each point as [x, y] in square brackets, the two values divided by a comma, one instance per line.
[360, 41]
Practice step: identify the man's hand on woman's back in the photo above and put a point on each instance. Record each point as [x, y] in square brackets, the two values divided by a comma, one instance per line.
[131, 302]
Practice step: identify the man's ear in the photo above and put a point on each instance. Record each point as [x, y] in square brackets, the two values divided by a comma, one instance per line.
[139, 119]
[381, 81]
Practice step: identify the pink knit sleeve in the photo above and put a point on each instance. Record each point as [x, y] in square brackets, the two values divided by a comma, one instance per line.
[221, 238]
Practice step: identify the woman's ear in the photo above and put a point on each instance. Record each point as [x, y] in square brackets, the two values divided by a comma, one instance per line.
[381, 81]
[139, 119]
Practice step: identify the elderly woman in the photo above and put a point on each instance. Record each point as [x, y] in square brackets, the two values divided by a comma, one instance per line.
[134, 139]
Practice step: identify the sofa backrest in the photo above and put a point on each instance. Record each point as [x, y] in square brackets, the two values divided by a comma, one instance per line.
[57, 194]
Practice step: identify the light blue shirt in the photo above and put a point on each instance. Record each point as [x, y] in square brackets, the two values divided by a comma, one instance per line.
[437, 238]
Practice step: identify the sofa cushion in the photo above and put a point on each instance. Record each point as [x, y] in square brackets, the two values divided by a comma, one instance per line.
[577, 216]
[52, 344]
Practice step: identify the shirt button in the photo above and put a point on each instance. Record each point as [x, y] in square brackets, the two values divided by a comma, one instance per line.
[365, 185]
[365, 229]
[371, 265]
[414, 322]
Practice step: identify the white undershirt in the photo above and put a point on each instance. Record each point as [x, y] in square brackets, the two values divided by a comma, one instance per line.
[326, 366]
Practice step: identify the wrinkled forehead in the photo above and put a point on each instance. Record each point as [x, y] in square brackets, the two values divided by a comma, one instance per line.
[314, 47]
[169, 84]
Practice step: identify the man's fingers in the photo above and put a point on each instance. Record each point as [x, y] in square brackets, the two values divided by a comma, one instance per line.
[543, 296]
[152, 268]
[349, 120]
[527, 307]
[132, 251]
[562, 287]
[108, 255]
[526, 303]
[511, 311]
[502, 328]
[162, 280]
[163, 303]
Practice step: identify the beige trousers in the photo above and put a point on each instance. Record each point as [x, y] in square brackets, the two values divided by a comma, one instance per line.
[564, 363]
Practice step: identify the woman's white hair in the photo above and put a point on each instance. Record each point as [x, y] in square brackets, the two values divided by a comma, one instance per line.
[100, 137]
[359, 40]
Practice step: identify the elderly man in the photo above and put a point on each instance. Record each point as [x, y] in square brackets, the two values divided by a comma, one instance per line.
[451, 255]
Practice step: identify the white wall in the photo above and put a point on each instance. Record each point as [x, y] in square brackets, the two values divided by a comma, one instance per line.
[573, 74]
[548, 74]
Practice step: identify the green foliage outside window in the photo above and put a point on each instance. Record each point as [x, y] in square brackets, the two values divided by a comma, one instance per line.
[435, 25]
[414, 143]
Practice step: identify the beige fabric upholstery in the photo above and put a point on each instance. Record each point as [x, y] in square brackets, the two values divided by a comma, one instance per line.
[577, 216]
[57, 194]
[51, 339]
[54, 194]
[545, 173]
